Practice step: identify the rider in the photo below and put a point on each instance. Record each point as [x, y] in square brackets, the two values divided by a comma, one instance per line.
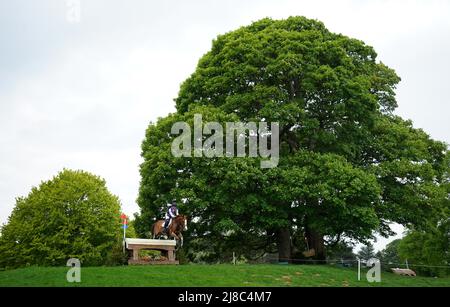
[172, 212]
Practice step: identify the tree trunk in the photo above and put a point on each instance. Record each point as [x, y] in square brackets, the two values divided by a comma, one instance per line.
[315, 241]
[284, 244]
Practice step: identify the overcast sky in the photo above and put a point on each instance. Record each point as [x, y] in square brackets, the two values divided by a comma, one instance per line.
[81, 94]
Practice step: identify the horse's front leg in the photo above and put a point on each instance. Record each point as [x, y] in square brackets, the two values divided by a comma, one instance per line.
[181, 239]
[178, 239]
[173, 234]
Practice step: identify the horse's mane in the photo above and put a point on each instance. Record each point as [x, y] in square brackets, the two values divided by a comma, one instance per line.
[178, 219]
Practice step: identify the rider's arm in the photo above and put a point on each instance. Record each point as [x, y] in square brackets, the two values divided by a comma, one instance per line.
[172, 212]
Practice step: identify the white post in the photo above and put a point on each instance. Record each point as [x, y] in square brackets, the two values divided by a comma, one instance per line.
[234, 258]
[406, 262]
[359, 269]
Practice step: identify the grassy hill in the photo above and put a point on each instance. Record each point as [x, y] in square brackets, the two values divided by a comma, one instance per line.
[210, 275]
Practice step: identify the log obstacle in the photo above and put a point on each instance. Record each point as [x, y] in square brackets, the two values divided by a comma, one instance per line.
[166, 247]
[404, 272]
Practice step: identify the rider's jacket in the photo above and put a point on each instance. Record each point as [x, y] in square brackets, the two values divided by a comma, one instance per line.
[172, 212]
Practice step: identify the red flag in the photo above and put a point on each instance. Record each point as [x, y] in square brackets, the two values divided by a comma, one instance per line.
[123, 216]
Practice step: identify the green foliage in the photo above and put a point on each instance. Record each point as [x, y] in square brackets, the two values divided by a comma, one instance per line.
[366, 252]
[291, 71]
[72, 215]
[341, 250]
[347, 168]
[181, 256]
[131, 230]
[116, 256]
[413, 171]
[335, 196]
[428, 251]
[389, 255]
[428, 245]
[153, 254]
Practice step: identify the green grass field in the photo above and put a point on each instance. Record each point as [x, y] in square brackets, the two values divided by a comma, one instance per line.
[210, 275]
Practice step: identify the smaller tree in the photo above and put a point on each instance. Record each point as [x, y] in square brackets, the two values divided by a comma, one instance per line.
[429, 250]
[366, 252]
[131, 230]
[72, 215]
[389, 254]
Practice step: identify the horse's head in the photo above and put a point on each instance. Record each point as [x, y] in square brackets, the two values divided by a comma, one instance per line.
[182, 221]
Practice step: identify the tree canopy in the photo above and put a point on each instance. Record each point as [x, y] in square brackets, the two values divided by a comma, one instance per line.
[348, 166]
[73, 215]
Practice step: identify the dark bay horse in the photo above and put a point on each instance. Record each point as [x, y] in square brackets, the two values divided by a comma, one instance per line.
[175, 229]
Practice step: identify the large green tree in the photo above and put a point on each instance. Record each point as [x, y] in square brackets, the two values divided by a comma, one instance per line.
[348, 167]
[73, 215]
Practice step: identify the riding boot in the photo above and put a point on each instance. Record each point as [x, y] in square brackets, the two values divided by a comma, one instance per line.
[165, 230]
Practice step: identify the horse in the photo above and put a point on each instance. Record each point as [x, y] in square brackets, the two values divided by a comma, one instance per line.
[177, 225]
